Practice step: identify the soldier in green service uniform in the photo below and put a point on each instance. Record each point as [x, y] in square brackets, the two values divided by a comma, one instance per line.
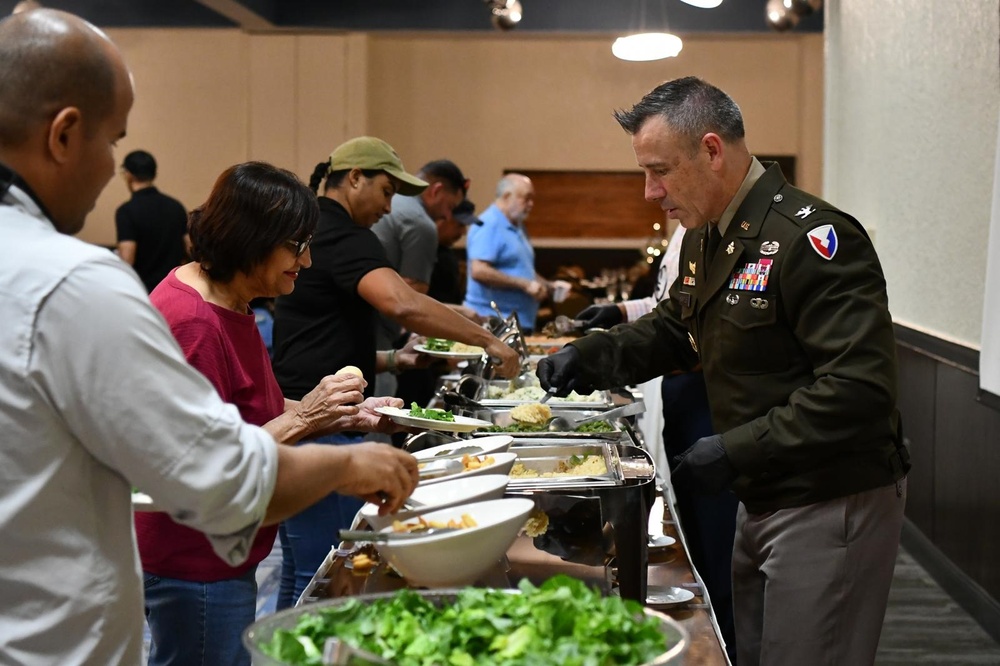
[782, 300]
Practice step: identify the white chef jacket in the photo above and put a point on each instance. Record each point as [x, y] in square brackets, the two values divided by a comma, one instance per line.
[96, 397]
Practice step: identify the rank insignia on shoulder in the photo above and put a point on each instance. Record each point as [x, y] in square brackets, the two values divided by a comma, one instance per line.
[824, 240]
[767, 248]
[752, 276]
[805, 212]
[688, 281]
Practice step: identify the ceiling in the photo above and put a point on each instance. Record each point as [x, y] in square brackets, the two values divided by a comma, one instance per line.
[540, 16]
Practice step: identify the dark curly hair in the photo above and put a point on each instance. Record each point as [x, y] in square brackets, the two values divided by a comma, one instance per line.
[253, 208]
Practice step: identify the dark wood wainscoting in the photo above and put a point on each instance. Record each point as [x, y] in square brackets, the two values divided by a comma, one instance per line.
[954, 486]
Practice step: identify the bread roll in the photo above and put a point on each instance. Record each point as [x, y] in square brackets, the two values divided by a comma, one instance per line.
[351, 370]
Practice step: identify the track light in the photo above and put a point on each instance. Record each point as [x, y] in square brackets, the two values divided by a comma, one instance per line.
[505, 14]
[785, 14]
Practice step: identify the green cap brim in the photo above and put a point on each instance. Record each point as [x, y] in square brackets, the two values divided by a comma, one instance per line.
[409, 186]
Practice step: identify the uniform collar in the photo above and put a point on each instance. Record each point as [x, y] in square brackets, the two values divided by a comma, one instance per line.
[754, 173]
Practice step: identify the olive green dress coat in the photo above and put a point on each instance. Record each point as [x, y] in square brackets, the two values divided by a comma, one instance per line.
[791, 325]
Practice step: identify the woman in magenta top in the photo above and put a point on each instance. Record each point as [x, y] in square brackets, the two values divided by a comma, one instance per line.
[250, 239]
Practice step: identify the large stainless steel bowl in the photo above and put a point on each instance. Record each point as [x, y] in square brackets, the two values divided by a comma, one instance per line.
[262, 630]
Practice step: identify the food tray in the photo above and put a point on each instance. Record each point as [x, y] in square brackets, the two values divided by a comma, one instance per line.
[605, 401]
[545, 456]
[501, 417]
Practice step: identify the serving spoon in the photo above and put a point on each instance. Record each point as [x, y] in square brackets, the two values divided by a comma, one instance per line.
[566, 424]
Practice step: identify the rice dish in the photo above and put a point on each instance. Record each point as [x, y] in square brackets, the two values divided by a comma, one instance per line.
[589, 466]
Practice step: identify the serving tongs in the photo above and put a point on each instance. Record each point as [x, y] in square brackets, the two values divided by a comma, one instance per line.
[338, 653]
[569, 424]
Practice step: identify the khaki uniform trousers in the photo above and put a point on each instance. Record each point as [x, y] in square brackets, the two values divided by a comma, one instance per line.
[811, 583]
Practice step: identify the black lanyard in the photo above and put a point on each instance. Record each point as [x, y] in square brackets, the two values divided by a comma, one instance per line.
[9, 177]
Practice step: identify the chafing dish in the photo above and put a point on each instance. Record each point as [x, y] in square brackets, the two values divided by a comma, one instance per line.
[501, 417]
[548, 456]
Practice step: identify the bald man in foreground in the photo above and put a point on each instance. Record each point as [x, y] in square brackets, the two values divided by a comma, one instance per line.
[80, 427]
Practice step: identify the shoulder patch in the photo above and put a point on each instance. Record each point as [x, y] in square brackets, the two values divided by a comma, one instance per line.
[824, 240]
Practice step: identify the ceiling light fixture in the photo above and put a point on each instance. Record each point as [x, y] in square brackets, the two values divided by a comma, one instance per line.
[703, 4]
[645, 46]
[785, 14]
[505, 14]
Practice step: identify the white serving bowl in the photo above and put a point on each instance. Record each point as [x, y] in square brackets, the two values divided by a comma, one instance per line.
[441, 495]
[460, 557]
[487, 445]
[502, 463]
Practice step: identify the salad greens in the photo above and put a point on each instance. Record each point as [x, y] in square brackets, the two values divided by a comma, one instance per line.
[433, 414]
[439, 344]
[560, 623]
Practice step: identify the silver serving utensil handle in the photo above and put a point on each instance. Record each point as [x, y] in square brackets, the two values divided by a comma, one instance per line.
[379, 537]
[338, 653]
[630, 409]
[432, 469]
[548, 395]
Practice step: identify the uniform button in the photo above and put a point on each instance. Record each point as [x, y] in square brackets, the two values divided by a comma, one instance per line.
[778, 198]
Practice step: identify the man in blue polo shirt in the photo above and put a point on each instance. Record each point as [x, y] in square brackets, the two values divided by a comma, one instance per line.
[501, 260]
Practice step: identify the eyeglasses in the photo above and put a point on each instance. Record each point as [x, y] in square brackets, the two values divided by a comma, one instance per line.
[301, 245]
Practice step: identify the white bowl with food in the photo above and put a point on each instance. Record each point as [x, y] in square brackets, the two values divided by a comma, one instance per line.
[459, 557]
[437, 496]
[473, 465]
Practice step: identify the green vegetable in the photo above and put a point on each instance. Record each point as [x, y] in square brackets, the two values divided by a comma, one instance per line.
[433, 414]
[560, 623]
[439, 344]
[595, 426]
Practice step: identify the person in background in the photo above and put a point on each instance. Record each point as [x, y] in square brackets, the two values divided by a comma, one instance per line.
[447, 287]
[708, 521]
[250, 239]
[330, 320]
[501, 261]
[782, 300]
[409, 235]
[81, 427]
[151, 227]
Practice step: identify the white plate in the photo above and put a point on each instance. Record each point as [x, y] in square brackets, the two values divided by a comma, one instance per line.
[502, 462]
[460, 424]
[487, 446]
[660, 542]
[658, 597]
[468, 355]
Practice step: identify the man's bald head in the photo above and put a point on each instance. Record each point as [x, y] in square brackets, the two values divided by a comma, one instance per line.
[50, 60]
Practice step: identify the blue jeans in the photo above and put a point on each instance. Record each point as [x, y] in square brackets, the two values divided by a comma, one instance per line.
[307, 537]
[199, 624]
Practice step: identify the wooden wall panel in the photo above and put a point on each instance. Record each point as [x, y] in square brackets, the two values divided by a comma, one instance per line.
[967, 489]
[590, 204]
[917, 375]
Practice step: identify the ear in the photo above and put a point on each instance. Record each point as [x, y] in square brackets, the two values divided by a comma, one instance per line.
[714, 148]
[65, 134]
[354, 177]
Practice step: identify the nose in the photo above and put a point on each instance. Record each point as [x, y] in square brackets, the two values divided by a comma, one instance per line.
[305, 259]
[654, 191]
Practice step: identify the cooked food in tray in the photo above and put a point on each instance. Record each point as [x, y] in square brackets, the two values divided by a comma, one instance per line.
[516, 427]
[588, 465]
[421, 525]
[536, 393]
[532, 413]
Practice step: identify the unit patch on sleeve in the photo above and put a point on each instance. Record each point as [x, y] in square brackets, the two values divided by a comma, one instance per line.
[752, 276]
[824, 240]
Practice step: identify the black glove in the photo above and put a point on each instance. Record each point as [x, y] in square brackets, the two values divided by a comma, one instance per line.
[558, 371]
[599, 316]
[705, 466]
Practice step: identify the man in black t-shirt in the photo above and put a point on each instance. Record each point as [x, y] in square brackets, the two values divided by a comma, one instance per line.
[152, 227]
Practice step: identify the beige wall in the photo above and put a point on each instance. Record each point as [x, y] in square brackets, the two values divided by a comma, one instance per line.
[206, 99]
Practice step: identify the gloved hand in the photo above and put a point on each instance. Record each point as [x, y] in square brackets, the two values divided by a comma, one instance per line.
[705, 466]
[599, 316]
[559, 371]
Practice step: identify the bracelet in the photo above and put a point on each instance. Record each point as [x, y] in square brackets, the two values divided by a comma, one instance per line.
[390, 362]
